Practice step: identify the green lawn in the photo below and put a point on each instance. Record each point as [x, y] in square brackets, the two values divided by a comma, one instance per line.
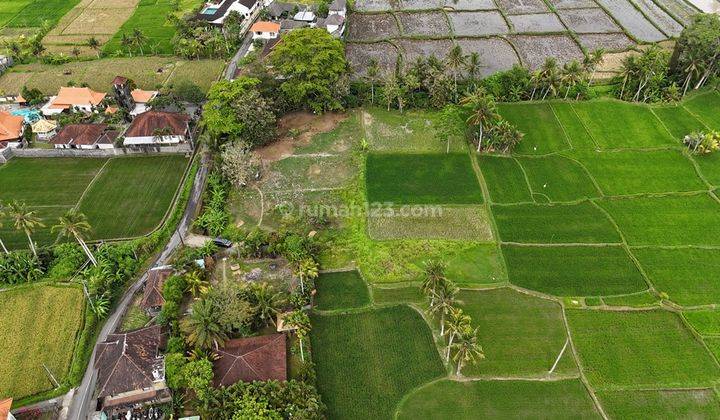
[341, 290]
[121, 197]
[132, 195]
[641, 349]
[543, 132]
[615, 125]
[705, 107]
[421, 179]
[688, 276]
[476, 265]
[505, 180]
[499, 400]
[366, 362]
[633, 172]
[521, 335]
[557, 179]
[670, 220]
[38, 325]
[542, 224]
[650, 405]
[573, 270]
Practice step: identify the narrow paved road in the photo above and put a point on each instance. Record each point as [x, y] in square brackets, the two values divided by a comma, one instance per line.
[83, 403]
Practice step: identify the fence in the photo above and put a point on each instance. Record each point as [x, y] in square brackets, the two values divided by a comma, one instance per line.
[6, 154]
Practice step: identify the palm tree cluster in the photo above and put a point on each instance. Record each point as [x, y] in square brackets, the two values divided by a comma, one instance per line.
[644, 77]
[134, 41]
[484, 119]
[696, 57]
[463, 345]
[555, 81]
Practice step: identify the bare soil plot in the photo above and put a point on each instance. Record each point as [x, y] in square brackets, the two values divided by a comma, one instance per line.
[455, 223]
[360, 55]
[421, 4]
[536, 23]
[376, 5]
[518, 7]
[373, 27]
[608, 42]
[411, 49]
[588, 21]
[632, 20]
[470, 5]
[654, 347]
[572, 4]
[533, 49]
[478, 23]
[655, 404]
[424, 24]
[659, 17]
[496, 54]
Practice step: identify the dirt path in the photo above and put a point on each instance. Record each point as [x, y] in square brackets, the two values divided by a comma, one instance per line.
[298, 129]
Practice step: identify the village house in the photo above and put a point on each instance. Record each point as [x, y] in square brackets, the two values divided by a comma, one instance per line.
[153, 300]
[334, 24]
[132, 99]
[265, 30]
[5, 413]
[338, 7]
[12, 128]
[217, 12]
[260, 358]
[155, 128]
[44, 129]
[131, 370]
[85, 136]
[278, 10]
[78, 99]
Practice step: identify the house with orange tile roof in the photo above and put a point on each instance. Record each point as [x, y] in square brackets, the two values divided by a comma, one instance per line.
[265, 30]
[141, 98]
[5, 405]
[77, 98]
[11, 130]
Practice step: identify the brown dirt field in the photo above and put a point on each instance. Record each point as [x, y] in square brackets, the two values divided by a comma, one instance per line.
[307, 124]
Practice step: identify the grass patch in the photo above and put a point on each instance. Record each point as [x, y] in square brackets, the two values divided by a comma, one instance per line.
[615, 124]
[688, 276]
[131, 195]
[543, 132]
[521, 335]
[632, 172]
[499, 399]
[709, 166]
[412, 131]
[557, 179]
[573, 126]
[704, 322]
[421, 179]
[705, 107]
[151, 18]
[636, 300]
[505, 180]
[341, 290]
[657, 404]
[576, 223]
[362, 360]
[394, 295]
[477, 264]
[457, 223]
[654, 346]
[670, 220]
[678, 120]
[573, 270]
[39, 326]
[134, 319]
[308, 172]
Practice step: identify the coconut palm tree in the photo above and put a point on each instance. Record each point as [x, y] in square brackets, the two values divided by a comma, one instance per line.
[267, 302]
[202, 328]
[195, 284]
[572, 75]
[306, 269]
[455, 61]
[300, 322]
[373, 71]
[482, 112]
[458, 323]
[2, 244]
[94, 45]
[434, 276]
[472, 65]
[444, 299]
[127, 42]
[467, 349]
[75, 225]
[25, 220]
[138, 39]
[597, 57]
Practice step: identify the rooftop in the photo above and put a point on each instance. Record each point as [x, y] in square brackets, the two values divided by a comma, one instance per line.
[263, 26]
[146, 124]
[152, 294]
[79, 134]
[74, 96]
[260, 358]
[10, 126]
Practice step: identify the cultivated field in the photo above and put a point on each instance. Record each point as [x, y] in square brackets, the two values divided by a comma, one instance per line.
[122, 197]
[18, 17]
[564, 251]
[34, 335]
[506, 32]
[147, 72]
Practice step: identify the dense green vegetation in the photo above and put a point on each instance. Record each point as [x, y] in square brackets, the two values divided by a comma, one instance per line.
[150, 17]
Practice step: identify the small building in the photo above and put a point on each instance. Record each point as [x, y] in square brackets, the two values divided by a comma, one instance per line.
[216, 12]
[260, 358]
[78, 99]
[85, 136]
[306, 15]
[334, 24]
[155, 128]
[279, 10]
[153, 300]
[338, 7]
[141, 99]
[44, 129]
[265, 30]
[290, 24]
[5, 405]
[12, 128]
[131, 370]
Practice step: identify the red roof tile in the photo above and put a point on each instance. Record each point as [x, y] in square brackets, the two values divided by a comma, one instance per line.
[249, 359]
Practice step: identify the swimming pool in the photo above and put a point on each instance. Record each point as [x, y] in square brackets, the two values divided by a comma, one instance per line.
[209, 10]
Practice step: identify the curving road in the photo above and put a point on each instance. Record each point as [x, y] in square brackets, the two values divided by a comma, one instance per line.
[82, 405]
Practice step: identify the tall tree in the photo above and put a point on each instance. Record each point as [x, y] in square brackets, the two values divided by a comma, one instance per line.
[305, 269]
[202, 327]
[457, 324]
[451, 124]
[75, 225]
[444, 299]
[373, 71]
[482, 112]
[266, 302]
[455, 61]
[467, 349]
[25, 220]
[300, 322]
[572, 75]
[94, 45]
[472, 65]
[434, 276]
[139, 39]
